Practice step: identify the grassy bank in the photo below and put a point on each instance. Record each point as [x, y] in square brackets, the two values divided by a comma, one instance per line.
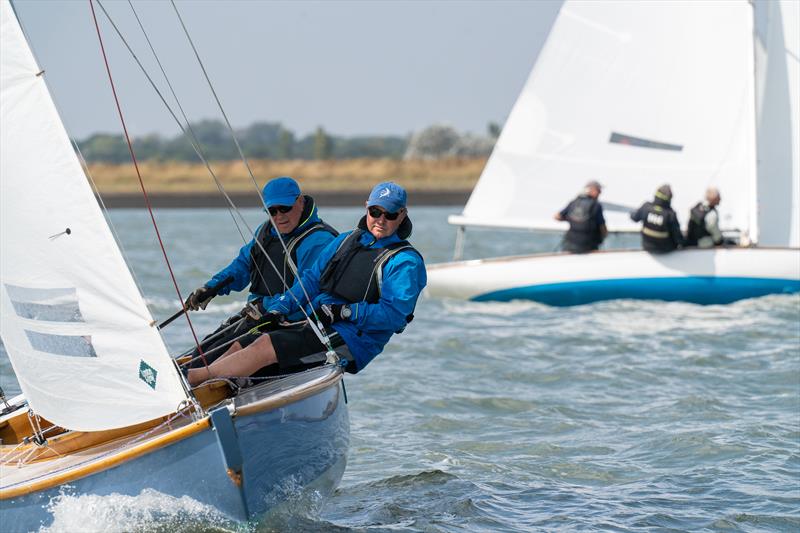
[340, 176]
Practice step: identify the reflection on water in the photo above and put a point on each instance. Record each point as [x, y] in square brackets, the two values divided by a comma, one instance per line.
[623, 415]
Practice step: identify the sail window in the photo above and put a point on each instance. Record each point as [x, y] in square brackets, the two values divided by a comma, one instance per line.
[51, 305]
[620, 138]
[71, 345]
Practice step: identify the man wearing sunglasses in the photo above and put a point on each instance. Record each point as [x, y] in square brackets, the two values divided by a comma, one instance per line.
[363, 288]
[262, 263]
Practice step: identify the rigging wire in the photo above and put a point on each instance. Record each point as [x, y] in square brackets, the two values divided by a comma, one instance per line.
[317, 327]
[321, 332]
[177, 102]
[195, 147]
[194, 140]
[141, 181]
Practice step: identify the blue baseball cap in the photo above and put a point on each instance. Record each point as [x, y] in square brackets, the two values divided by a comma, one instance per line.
[389, 196]
[280, 191]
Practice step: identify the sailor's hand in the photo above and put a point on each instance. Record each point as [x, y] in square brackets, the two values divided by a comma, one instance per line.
[199, 298]
[254, 310]
[327, 314]
[276, 317]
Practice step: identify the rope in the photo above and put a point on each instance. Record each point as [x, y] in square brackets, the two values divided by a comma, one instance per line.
[166, 424]
[177, 101]
[319, 330]
[141, 181]
[192, 138]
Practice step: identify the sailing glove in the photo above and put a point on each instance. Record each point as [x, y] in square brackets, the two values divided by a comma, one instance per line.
[254, 309]
[199, 298]
[327, 314]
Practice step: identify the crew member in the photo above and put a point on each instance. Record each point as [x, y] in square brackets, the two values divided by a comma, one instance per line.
[703, 230]
[587, 226]
[363, 288]
[262, 263]
[661, 231]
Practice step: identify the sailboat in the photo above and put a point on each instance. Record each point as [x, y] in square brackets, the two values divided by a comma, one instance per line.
[636, 94]
[104, 409]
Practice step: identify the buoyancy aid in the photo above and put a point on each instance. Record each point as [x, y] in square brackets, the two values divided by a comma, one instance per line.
[697, 224]
[584, 231]
[263, 277]
[656, 225]
[355, 272]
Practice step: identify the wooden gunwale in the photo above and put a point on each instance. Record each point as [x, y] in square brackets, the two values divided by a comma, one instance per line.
[94, 466]
[289, 396]
[72, 473]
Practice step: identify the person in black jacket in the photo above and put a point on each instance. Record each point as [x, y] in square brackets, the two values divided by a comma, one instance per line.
[661, 232]
[703, 229]
[587, 225]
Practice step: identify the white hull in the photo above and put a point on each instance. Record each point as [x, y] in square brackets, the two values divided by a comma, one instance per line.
[705, 276]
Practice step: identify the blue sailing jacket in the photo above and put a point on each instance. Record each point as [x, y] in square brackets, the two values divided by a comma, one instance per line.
[306, 253]
[371, 326]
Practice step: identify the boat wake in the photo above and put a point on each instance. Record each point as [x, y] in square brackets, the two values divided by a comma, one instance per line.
[149, 511]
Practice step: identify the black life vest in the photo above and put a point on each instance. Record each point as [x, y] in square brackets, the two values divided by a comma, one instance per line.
[264, 280]
[697, 224]
[584, 231]
[355, 272]
[656, 224]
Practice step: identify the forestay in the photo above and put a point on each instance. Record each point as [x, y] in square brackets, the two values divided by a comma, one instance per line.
[632, 94]
[74, 325]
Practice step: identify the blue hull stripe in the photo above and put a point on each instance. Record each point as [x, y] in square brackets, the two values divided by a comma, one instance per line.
[704, 290]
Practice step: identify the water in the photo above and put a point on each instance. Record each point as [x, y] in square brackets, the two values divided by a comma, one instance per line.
[621, 416]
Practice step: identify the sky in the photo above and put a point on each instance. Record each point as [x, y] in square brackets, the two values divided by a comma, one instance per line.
[354, 68]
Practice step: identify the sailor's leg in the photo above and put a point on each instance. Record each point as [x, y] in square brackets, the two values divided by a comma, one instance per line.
[243, 362]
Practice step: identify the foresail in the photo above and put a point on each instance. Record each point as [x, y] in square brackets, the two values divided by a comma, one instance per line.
[632, 94]
[778, 111]
[73, 322]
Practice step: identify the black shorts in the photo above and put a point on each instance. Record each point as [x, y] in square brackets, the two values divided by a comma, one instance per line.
[299, 347]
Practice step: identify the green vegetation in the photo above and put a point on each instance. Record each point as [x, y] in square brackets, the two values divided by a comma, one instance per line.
[261, 140]
[270, 140]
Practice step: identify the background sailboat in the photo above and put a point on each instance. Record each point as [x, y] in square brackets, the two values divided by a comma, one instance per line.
[635, 95]
[105, 409]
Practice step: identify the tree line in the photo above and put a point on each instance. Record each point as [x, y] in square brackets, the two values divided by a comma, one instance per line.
[271, 140]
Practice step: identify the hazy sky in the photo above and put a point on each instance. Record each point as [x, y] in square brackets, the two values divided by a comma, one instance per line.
[353, 67]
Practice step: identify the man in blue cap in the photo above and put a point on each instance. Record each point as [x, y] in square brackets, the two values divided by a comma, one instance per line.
[362, 288]
[262, 263]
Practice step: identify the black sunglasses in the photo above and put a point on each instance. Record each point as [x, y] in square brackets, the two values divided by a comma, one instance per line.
[275, 209]
[376, 212]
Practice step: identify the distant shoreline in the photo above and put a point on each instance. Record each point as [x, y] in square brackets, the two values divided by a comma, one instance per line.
[323, 198]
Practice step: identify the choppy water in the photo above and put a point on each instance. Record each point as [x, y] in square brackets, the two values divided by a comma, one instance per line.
[622, 416]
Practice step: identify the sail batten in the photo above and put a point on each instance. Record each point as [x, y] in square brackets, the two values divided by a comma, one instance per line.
[632, 95]
[75, 327]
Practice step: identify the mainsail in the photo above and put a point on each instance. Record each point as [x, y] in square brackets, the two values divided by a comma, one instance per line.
[632, 94]
[778, 112]
[74, 324]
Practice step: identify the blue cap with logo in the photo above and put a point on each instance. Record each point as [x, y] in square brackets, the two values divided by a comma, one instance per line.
[280, 191]
[389, 196]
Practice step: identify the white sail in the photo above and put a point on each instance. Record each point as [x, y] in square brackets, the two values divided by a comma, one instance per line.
[74, 325]
[632, 94]
[778, 98]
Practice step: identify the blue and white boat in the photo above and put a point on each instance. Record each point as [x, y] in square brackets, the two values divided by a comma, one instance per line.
[104, 409]
[694, 94]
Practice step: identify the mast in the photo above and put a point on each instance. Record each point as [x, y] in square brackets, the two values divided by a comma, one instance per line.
[750, 236]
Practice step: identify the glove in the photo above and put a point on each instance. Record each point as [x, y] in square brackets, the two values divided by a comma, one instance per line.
[254, 310]
[199, 298]
[327, 314]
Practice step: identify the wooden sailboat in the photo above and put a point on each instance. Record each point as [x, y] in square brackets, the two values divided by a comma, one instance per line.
[635, 95]
[104, 409]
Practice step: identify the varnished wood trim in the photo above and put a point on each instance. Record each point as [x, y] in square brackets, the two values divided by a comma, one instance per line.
[79, 471]
[290, 396]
